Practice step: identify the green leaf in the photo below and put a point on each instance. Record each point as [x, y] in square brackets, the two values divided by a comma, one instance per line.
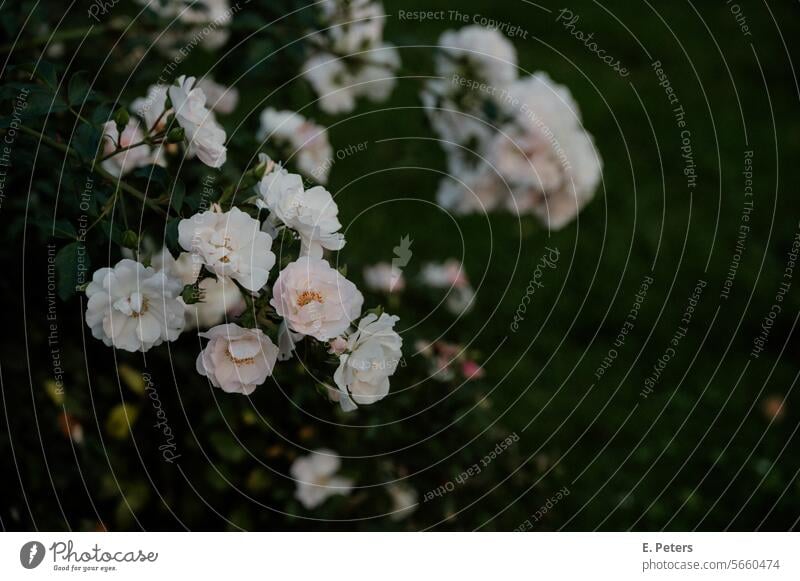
[67, 269]
[78, 89]
[177, 196]
[86, 141]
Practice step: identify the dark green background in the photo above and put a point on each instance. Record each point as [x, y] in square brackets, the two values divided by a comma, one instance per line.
[699, 452]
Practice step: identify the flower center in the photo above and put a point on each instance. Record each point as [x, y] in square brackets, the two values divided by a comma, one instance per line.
[309, 296]
[239, 360]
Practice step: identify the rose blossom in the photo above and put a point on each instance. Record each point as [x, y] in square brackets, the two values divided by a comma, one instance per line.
[134, 308]
[372, 356]
[205, 137]
[308, 141]
[237, 360]
[315, 299]
[383, 277]
[151, 108]
[221, 98]
[488, 55]
[219, 296]
[125, 161]
[312, 213]
[316, 479]
[451, 275]
[545, 154]
[404, 500]
[230, 244]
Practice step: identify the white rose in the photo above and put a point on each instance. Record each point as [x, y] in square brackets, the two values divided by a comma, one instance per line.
[383, 277]
[316, 479]
[230, 244]
[404, 500]
[376, 79]
[134, 308]
[151, 108]
[450, 275]
[311, 213]
[330, 79]
[546, 154]
[488, 55]
[315, 299]
[471, 189]
[354, 24]
[372, 356]
[220, 297]
[209, 20]
[308, 141]
[125, 161]
[204, 136]
[237, 360]
[221, 98]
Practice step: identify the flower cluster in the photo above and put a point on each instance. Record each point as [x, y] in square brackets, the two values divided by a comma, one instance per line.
[226, 266]
[350, 58]
[513, 143]
[300, 139]
[145, 138]
[450, 275]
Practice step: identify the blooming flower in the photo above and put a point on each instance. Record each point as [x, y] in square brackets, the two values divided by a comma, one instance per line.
[353, 61]
[208, 19]
[237, 360]
[450, 275]
[204, 136]
[404, 500]
[315, 299]
[312, 213]
[316, 479]
[220, 296]
[222, 99]
[134, 308]
[152, 107]
[488, 56]
[372, 356]
[383, 277]
[307, 140]
[125, 161]
[230, 244]
[546, 154]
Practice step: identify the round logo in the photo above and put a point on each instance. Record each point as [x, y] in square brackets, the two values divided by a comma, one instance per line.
[31, 554]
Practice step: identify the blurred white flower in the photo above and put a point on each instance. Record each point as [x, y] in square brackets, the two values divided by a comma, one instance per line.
[352, 60]
[204, 136]
[308, 142]
[316, 479]
[478, 53]
[151, 107]
[237, 360]
[125, 161]
[404, 500]
[315, 299]
[230, 244]
[332, 82]
[372, 356]
[385, 278]
[220, 296]
[353, 24]
[220, 98]
[462, 132]
[470, 189]
[208, 19]
[311, 213]
[546, 154]
[450, 275]
[134, 308]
